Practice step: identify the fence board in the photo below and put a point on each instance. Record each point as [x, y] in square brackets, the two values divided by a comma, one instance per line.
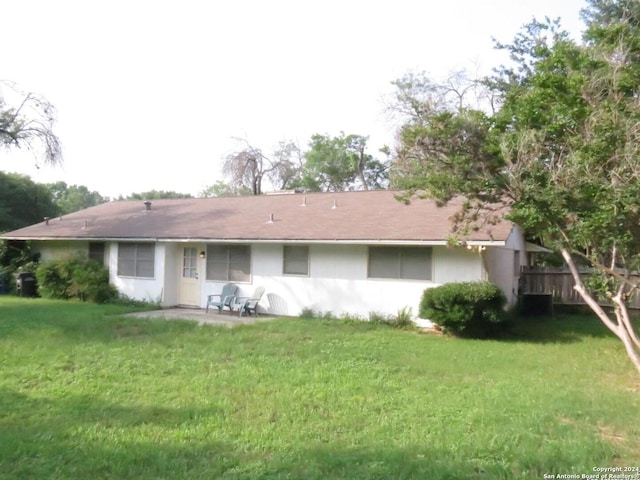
[560, 284]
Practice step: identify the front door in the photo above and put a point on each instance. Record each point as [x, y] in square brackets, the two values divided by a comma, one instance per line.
[189, 290]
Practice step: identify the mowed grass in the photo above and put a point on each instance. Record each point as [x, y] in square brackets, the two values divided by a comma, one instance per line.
[88, 393]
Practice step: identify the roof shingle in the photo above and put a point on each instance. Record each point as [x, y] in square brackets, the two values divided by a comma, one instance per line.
[362, 216]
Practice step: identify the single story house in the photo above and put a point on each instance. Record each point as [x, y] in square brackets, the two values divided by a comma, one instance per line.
[341, 252]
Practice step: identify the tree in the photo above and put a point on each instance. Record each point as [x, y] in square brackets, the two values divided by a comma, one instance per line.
[249, 167]
[154, 195]
[23, 202]
[341, 163]
[221, 189]
[71, 198]
[562, 151]
[26, 121]
[16, 256]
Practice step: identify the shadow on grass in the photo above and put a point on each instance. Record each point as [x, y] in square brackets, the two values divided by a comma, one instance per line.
[81, 437]
[562, 328]
[19, 411]
[79, 321]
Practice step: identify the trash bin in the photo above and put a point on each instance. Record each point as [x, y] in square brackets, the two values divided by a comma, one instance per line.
[26, 285]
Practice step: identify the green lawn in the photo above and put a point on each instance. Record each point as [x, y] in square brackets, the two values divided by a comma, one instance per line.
[88, 394]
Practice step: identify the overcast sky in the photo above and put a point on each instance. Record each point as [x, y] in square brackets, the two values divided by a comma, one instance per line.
[150, 94]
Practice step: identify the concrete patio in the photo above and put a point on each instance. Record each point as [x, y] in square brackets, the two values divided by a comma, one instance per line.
[201, 316]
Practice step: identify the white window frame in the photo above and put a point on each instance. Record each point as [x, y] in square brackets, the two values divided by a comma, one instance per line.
[221, 255]
[396, 262]
[295, 260]
[132, 258]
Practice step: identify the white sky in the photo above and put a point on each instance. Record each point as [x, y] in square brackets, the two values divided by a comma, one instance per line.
[151, 93]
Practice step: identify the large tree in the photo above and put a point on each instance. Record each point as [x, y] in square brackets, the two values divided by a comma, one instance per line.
[249, 167]
[26, 121]
[444, 129]
[23, 202]
[562, 150]
[341, 163]
[71, 198]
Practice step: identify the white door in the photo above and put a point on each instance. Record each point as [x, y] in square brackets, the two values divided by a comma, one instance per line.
[189, 290]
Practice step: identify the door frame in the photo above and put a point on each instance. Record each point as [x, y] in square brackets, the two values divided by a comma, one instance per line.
[189, 288]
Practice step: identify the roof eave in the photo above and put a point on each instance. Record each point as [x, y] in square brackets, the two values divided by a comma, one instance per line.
[361, 241]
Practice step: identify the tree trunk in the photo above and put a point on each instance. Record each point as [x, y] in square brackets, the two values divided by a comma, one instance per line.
[360, 168]
[622, 328]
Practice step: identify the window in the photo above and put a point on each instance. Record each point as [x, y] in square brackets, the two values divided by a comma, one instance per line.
[229, 263]
[96, 251]
[190, 262]
[411, 263]
[136, 260]
[295, 260]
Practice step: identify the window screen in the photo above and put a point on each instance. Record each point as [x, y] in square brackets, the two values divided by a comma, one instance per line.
[410, 263]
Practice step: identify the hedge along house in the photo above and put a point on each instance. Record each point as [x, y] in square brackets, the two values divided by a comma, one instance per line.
[345, 253]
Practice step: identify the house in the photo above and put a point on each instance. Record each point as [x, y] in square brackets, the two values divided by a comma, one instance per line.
[345, 253]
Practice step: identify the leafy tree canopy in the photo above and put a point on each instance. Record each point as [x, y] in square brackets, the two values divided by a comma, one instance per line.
[23, 202]
[222, 189]
[154, 195]
[561, 148]
[71, 198]
[341, 163]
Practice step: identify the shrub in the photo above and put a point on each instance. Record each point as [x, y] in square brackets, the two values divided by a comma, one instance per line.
[310, 313]
[122, 299]
[16, 256]
[75, 277]
[377, 317]
[404, 318]
[466, 308]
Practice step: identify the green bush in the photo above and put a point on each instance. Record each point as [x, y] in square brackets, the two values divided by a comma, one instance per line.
[404, 318]
[75, 277]
[466, 308]
[16, 257]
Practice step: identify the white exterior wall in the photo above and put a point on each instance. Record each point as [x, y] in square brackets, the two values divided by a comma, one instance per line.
[149, 289]
[458, 265]
[503, 267]
[57, 249]
[171, 274]
[338, 282]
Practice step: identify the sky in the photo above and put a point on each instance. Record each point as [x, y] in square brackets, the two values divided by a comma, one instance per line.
[154, 94]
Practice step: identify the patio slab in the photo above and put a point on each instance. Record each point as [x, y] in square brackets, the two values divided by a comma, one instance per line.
[199, 315]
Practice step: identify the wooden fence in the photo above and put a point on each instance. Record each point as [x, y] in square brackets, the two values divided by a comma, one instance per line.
[559, 283]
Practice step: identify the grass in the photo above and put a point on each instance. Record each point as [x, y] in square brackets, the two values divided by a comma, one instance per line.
[88, 393]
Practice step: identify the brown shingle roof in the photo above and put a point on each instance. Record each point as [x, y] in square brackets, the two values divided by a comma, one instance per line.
[363, 216]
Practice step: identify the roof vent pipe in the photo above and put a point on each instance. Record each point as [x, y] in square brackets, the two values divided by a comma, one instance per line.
[270, 219]
[46, 220]
[304, 201]
[147, 205]
[335, 204]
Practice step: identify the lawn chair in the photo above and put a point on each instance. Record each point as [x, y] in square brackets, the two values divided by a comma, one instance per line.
[249, 304]
[222, 299]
